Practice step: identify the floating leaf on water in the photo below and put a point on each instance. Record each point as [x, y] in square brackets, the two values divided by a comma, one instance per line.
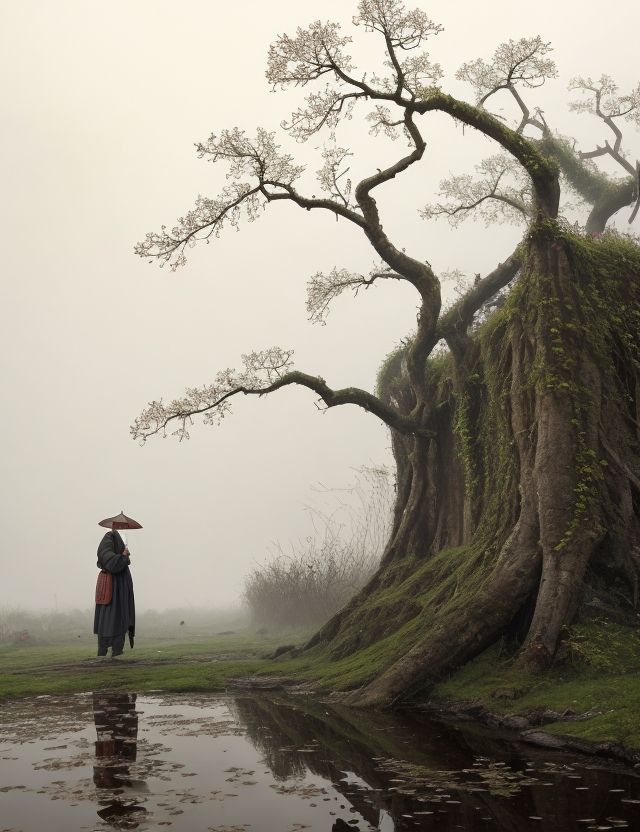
[227, 828]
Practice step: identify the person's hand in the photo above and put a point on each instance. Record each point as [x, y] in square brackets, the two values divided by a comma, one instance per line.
[126, 552]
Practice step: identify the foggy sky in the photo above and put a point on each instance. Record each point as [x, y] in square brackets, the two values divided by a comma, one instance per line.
[101, 105]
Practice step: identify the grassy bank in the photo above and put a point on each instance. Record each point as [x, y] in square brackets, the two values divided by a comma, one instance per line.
[598, 673]
[157, 662]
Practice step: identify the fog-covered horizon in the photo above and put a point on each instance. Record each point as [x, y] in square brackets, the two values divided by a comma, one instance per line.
[102, 103]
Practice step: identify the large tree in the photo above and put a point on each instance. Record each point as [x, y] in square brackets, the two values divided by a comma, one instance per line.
[517, 445]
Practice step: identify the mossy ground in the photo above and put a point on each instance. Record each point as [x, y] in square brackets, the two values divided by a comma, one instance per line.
[598, 671]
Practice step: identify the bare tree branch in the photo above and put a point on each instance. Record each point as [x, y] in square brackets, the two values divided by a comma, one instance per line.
[382, 121]
[502, 193]
[605, 103]
[313, 52]
[261, 370]
[264, 372]
[332, 172]
[273, 174]
[521, 62]
[322, 289]
[405, 29]
[319, 50]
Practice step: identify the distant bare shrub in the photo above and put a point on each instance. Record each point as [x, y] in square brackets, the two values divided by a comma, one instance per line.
[305, 587]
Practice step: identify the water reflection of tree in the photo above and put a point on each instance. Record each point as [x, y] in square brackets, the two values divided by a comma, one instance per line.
[270, 731]
[344, 740]
[273, 725]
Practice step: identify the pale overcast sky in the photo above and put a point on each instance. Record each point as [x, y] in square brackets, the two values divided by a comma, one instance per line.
[102, 103]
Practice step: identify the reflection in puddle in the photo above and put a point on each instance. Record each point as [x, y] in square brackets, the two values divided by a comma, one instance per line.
[116, 721]
[265, 764]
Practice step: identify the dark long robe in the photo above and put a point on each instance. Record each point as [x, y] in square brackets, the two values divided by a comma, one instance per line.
[119, 615]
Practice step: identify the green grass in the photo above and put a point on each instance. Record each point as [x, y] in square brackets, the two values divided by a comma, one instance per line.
[166, 663]
[599, 671]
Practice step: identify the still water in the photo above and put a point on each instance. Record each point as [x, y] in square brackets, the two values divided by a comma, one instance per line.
[273, 763]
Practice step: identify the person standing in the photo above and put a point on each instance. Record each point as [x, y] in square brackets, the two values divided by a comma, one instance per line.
[113, 621]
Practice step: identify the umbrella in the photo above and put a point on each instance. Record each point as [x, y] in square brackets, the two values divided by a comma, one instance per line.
[120, 521]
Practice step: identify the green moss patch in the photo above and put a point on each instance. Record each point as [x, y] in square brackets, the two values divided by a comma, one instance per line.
[597, 674]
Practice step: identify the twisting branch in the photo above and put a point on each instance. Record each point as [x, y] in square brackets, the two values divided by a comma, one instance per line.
[420, 274]
[608, 105]
[606, 195]
[264, 372]
[502, 193]
[543, 171]
[605, 103]
[455, 322]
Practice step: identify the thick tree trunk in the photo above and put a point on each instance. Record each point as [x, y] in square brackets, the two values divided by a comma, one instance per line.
[563, 563]
[512, 484]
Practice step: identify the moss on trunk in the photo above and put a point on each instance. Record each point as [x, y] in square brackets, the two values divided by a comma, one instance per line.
[529, 489]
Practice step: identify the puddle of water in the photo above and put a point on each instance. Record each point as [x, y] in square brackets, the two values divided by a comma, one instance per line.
[269, 763]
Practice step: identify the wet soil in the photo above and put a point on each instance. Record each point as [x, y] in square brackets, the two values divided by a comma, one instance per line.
[270, 761]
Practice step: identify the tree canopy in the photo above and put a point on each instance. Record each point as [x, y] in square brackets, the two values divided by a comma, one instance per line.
[509, 186]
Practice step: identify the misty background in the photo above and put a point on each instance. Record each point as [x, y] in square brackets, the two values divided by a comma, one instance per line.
[102, 103]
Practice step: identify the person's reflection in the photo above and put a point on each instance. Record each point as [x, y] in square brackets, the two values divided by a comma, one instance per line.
[116, 724]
